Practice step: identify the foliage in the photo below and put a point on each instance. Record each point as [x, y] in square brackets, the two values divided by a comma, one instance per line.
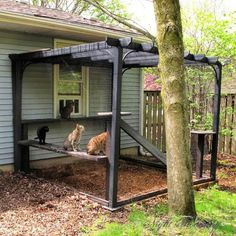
[114, 6]
[86, 8]
[211, 32]
[216, 216]
[227, 128]
[207, 31]
[200, 86]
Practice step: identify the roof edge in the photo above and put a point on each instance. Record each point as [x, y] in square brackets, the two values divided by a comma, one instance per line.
[78, 28]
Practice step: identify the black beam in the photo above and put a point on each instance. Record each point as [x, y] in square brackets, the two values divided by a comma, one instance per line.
[143, 142]
[158, 192]
[96, 199]
[188, 56]
[201, 58]
[17, 75]
[212, 60]
[144, 162]
[142, 197]
[216, 118]
[115, 125]
[149, 47]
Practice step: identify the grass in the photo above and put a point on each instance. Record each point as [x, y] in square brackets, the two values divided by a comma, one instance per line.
[216, 216]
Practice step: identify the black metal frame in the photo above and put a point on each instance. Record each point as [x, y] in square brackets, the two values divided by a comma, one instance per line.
[118, 54]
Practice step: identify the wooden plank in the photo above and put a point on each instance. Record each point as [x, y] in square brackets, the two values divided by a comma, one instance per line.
[154, 122]
[233, 139]
[145, 115]
[58, 149]
[228, 123]
[159, 122]
[123, 113]
[143, 142]
[149, 117]
[202, 132]
[222, 123]
[163, 141]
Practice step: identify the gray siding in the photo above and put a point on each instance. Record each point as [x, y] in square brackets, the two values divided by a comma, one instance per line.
[131, 102]
[100, 97]
[99, 90]
[14, 43]
[37, 92]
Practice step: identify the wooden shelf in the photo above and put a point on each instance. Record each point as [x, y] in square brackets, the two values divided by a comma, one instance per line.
[58, 149]
[202, 132]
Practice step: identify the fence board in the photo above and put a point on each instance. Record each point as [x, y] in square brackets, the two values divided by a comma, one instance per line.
[154, 128]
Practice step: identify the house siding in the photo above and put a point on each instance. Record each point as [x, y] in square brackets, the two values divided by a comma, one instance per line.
[130, 102]
[37, 98]
[15, 43]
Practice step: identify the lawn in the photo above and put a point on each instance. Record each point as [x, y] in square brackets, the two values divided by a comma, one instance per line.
[216, 216]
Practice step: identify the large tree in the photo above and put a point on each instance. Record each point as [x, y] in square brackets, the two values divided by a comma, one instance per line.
[171, 67]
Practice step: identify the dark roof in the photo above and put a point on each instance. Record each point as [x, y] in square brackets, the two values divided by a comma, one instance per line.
[53, 14]
[101, 53]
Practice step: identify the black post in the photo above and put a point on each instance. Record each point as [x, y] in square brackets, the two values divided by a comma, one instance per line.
[115, 125]
[200, 154]
[17, 75]
[25, 150]
[108, 154]
[216, 119]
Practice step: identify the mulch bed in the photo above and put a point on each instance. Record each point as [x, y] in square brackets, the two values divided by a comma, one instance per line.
[49, 202]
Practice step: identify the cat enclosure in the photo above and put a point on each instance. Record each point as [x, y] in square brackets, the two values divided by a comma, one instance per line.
[119, 55]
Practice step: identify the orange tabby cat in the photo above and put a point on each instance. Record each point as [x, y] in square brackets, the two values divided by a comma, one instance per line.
[97, 144]
[72, 141]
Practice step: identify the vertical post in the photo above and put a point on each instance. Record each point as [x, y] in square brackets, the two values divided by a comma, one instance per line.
[216, 119]
[25, 150]
[17, 75]
[199, 156]
[115, 126]
[108, 154]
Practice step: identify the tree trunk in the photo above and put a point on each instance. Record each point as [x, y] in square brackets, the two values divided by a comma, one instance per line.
[171, 51]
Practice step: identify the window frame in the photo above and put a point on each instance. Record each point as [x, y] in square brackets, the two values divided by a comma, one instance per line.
[84, 98]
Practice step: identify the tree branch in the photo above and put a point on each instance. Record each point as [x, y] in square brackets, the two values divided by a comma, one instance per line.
[122, 20]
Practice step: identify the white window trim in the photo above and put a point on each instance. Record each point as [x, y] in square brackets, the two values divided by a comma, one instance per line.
[85, 82]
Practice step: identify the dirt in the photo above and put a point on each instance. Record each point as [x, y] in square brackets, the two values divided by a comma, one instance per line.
[226, 172]
[49, 201]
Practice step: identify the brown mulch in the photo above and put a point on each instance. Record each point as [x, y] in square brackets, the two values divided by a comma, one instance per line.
[226, 172]
[49, 202]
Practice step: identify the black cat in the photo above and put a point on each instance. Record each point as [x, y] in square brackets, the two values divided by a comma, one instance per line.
[41, 133]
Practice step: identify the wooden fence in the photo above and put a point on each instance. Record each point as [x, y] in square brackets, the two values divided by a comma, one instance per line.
[153, 126]
[154, 129]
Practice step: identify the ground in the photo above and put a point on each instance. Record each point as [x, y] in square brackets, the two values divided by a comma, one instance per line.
[49, 202]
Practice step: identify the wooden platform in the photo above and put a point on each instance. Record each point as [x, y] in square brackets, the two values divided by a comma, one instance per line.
[58, 149]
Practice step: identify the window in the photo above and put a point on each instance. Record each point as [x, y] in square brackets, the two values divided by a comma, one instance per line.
[70, 85]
